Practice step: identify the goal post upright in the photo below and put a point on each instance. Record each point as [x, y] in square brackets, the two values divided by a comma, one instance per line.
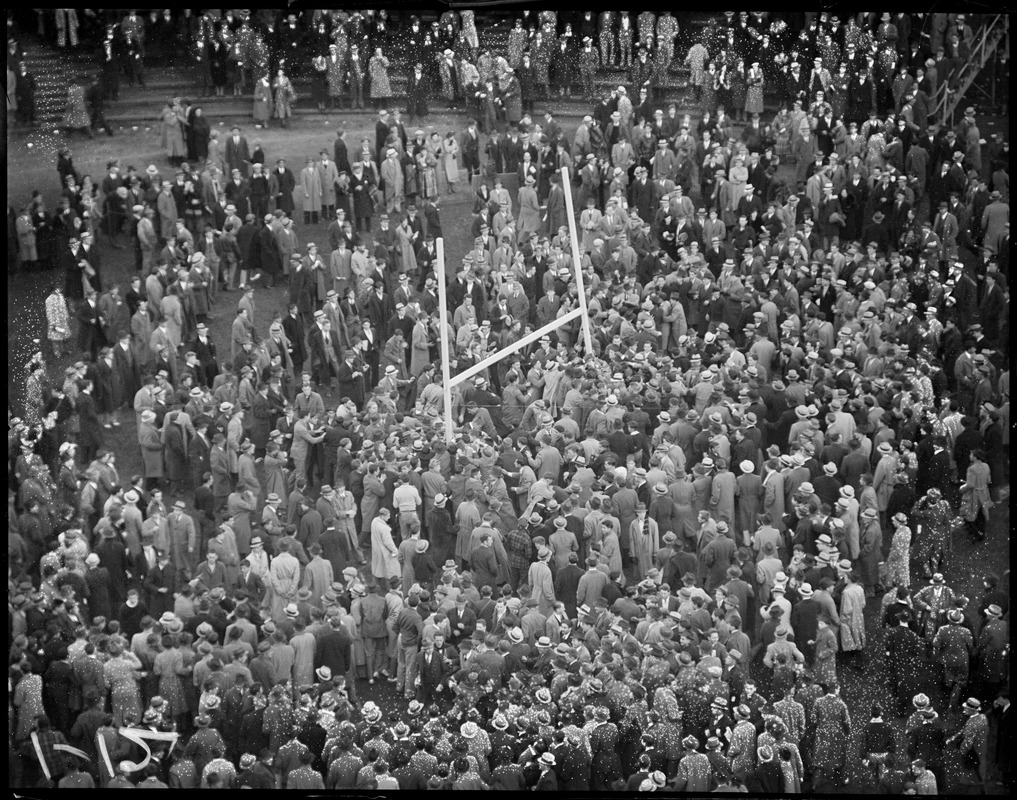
[577, 261]
[450, 381]
[443, 322]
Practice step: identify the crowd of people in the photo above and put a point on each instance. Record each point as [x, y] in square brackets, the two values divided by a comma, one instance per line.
[646, 567]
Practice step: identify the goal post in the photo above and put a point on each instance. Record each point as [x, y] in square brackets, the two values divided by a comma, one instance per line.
[450, 381]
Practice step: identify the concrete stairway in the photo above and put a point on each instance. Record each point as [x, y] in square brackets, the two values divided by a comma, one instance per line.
[54, 69]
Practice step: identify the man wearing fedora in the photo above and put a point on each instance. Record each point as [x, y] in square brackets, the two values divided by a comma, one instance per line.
[972, 743]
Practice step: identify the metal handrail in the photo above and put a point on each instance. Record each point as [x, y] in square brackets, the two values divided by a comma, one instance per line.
[947, 99]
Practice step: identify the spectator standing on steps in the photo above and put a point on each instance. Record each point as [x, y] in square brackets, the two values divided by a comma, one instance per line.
[76, 115]
[285, 97]
[96, 99]
[377, 69]
[23, 95]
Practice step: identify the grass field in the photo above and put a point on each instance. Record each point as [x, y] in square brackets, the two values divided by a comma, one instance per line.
[31, 168]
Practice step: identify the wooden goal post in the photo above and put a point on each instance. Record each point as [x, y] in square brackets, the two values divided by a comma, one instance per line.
[450, 381]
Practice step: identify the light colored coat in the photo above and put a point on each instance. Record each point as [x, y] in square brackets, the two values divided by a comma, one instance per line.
[318, 576]
[328, 176]
[529, 212]
[262, 102]
[283, 583]
[541, 586]
[644, 545]
[384, 554]
[310, 185]
[392, 175]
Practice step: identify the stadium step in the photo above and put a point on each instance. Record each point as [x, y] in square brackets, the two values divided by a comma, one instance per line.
[54, 69]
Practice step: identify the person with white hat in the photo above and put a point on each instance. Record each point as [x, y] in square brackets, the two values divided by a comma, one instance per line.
[548, 780]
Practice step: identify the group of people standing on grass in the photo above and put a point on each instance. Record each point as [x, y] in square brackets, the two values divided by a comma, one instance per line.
[667, 563]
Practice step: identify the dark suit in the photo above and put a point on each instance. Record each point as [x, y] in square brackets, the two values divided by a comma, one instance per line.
[206, 353]
[332, 546]
[350, 386]
[156, 579]
[379, 311]
[334, 651]
[468, 620]
[90, 429]
[199, 458]
[927, 742]
[340, 156]
[324, 355]
[293, 327]
[253, 586]
[240, 196]
[433, 670]
[992, 309]
[90, 335]
[238, 156]
[469, 146]
[127, 372]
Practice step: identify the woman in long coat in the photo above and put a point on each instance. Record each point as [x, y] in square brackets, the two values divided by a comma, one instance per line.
[427, 175]
[263, 101]
[76, 116]
[377, 70]
[27, 245]
[407, 254]
[754, 90]
[199, 135]
[169, 666]
[285, 97]
[172, 134]
[122, 673]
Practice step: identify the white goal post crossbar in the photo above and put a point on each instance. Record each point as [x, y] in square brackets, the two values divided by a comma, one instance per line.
[449, 381]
